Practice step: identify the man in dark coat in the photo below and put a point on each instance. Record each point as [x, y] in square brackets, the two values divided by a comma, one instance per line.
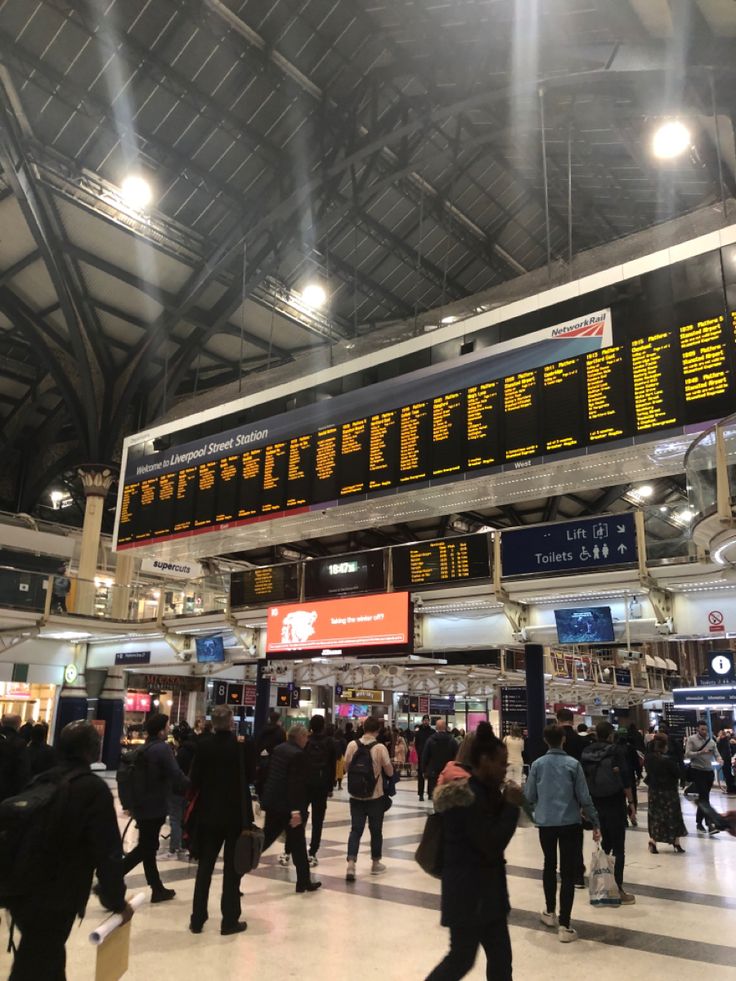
[221, 775]
[478, 823]
[421, 737]
[285, 800]
[439, 749]
[15, 764]
[162, 776]
[321, 762]
[271, 736]
[89, 841]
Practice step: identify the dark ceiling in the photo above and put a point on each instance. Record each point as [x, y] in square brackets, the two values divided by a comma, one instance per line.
[405, 154]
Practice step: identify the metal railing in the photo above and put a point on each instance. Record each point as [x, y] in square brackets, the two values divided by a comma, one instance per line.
[710, 468]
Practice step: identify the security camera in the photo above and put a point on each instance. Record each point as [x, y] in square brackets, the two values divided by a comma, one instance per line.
[520, 636]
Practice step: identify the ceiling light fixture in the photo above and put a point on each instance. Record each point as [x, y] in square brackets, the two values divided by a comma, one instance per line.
[314, 296]
[646, 490]
[670, 140]
[449, 320]
[136, 191]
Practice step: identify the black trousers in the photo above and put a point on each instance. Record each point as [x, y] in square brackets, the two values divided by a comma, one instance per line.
[702, 780]
[41, 954]
[431, 784]
[210, 842]
[420, 779]
[296, 842]
[318, 808]
[728, 776]
[145, 851]
[568, 839]
[464, 942]
[612, 814]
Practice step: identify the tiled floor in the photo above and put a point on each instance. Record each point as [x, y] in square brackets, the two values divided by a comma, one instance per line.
[683, 924]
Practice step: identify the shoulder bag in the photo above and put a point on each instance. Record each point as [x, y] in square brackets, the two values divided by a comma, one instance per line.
[249, 845]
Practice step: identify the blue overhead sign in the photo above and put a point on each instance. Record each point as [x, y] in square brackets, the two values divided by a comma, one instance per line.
[569, 546]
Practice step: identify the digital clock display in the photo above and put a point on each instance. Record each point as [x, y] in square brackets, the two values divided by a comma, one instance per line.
[343, 568]
[360, 573]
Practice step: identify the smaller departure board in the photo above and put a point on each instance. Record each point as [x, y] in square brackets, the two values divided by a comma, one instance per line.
[265, 585]
[606, 381]
[383, 443]
[251, 481]
[562, 419]
[521, 414]
[443, 561]
[298, 471]
[129, 512]
[353, 457]
[414, 442]
[706, 370]
[342, 575]
[275, 469]
[449, 423]
[483, 434]
[654, 369]
[324, 476]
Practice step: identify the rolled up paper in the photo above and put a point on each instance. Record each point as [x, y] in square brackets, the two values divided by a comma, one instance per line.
[114, 920]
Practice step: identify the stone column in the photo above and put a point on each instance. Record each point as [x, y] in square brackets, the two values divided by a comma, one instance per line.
[73, 697]
[536, 705]
[121, 590]
[111, 709]
[96, 480]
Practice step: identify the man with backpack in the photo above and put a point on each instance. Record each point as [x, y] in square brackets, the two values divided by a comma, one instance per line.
[15, 763]
[366, 761]
[155, 774]
[321, 761]
[53, 837]
[609, 781]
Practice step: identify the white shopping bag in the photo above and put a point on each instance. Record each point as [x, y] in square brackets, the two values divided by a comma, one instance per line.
[602, 884]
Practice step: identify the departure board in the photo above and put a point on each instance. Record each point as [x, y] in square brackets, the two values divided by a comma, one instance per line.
[607, 387]
[414, 443]
[436, 563]
[561, 405]
[382, 453]
[449, 422]
[483, 435]
[265, 585]
[521, 414]
[654, 370]
[343, 575]
[680, 375]
[707, 371]
[353, 459]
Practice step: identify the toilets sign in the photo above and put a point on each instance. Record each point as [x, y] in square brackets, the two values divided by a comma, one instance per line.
[569, 546]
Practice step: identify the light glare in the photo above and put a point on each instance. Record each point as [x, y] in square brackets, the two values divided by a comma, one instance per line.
[136, 191]
[670, 140]
[646, 490]
[314, 296]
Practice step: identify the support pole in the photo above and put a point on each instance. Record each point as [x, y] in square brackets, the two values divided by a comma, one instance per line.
[536, 705]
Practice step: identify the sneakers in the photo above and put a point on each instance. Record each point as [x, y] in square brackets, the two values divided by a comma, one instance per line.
[580, 885]
[313, 861]
[626, 898]
[566, 935]
[284, 860]
[713, 830]
[350, 874]
[377, 868]
[549, 919]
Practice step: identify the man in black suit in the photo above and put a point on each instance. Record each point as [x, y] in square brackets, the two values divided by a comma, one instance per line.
[221, 775]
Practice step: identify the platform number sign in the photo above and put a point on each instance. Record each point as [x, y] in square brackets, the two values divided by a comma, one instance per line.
[220, 693]
[721, 666]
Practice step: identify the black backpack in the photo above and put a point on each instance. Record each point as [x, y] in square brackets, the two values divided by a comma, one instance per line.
[318, 775]
[132, 778]
[598, 762]
[32, 835]
[361, 778]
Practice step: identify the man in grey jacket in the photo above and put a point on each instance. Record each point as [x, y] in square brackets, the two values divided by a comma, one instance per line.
[702, 752]
[558, 792]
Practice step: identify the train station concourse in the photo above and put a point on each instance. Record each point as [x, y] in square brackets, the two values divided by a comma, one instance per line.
[367, 489]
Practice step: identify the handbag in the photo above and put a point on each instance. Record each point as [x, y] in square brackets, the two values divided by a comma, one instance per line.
[249, 846]
[429, 854]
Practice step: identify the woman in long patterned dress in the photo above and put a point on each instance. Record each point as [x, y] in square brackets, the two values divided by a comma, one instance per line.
[665, 813]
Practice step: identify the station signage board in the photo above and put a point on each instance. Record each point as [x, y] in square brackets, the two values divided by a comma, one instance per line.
[708, 696]
[569, 546]
[362, 695]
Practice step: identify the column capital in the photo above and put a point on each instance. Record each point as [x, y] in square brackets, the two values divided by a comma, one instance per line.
[97, 479]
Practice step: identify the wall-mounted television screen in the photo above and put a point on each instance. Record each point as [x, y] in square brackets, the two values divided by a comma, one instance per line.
[210, 650]
[585, 625]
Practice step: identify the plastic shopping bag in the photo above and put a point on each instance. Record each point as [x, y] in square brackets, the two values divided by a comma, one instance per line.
[602, 884]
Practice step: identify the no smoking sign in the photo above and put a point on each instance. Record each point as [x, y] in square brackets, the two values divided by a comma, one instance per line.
[715, 622]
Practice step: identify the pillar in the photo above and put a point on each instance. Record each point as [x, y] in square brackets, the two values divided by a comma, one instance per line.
[121, 590]
[96, 481]
[263, 697]
[111, 710]
[72, 698]
[536, 703]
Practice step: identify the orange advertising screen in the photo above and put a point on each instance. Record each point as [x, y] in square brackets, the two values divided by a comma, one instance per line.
[381, 619]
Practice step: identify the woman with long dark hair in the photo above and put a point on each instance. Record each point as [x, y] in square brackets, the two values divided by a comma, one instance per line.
[665, 813]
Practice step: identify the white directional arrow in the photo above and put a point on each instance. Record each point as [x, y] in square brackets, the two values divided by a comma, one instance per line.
[622, 548]
[621, 529]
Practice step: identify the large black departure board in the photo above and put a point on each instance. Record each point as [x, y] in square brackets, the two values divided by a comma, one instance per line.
[437, 563]
[662, 378]
[343, 575]
[265, 585]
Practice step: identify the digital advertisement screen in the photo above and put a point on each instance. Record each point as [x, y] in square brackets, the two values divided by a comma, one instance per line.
[366, 621]
[587, 625]
[210, 650]
[259, 587]
[446, 560]
[343, 574]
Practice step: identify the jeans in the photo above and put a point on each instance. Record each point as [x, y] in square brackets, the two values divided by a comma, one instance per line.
[464, 942]
[145, 851]
[372, 811]
[210, 842]
[318, 807]
[612, 814]
[296, 842]
[568, 838]
[41, 954]
[176, 813]
[702, 780]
